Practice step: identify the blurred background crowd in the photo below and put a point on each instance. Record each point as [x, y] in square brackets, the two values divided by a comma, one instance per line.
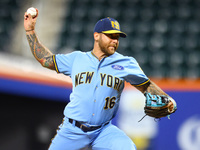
[163, 35]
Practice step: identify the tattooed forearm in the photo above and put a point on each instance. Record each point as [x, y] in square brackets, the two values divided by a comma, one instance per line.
[154, 89]
[42, 54]
[37, 49]
[143, 87]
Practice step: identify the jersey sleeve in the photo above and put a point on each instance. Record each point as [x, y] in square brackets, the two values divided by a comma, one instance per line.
[135, 74]
[64, 62]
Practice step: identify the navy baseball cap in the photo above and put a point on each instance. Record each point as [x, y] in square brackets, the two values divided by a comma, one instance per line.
[108, 25]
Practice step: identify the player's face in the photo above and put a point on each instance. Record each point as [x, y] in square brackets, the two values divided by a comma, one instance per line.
[109, 43]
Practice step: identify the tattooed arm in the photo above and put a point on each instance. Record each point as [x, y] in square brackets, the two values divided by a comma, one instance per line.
[42, 54]
[152, 88]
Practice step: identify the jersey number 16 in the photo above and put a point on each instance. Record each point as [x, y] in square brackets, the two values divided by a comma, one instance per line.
[110, 102]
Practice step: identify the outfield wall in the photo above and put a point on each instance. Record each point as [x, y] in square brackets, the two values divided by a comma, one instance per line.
[181, 131]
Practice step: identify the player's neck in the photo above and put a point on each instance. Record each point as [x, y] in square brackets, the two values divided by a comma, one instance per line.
[98, 54]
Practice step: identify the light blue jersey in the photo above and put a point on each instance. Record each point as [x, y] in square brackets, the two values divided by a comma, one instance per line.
[97, 85]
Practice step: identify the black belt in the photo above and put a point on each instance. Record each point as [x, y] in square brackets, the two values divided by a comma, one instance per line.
[84, 127]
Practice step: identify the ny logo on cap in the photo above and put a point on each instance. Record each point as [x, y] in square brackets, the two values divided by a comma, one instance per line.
[115, 25]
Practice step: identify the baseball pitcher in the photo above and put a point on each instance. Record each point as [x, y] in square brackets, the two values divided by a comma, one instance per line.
[98, 78]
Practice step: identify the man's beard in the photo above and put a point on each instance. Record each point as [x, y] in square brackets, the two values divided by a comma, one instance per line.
[105, 49]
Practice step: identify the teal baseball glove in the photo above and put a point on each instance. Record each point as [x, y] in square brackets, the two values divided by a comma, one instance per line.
[158, 106]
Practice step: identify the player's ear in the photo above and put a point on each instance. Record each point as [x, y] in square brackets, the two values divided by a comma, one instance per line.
[96, 36]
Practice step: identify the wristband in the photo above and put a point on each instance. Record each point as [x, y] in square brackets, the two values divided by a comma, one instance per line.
[29, 30]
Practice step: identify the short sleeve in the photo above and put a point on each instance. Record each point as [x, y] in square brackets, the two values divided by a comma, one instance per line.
[135, 74]
[64, 62]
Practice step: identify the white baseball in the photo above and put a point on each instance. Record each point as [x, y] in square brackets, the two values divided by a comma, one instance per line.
[32, 11]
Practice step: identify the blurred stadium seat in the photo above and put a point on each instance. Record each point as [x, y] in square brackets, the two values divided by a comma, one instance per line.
[8, 19]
